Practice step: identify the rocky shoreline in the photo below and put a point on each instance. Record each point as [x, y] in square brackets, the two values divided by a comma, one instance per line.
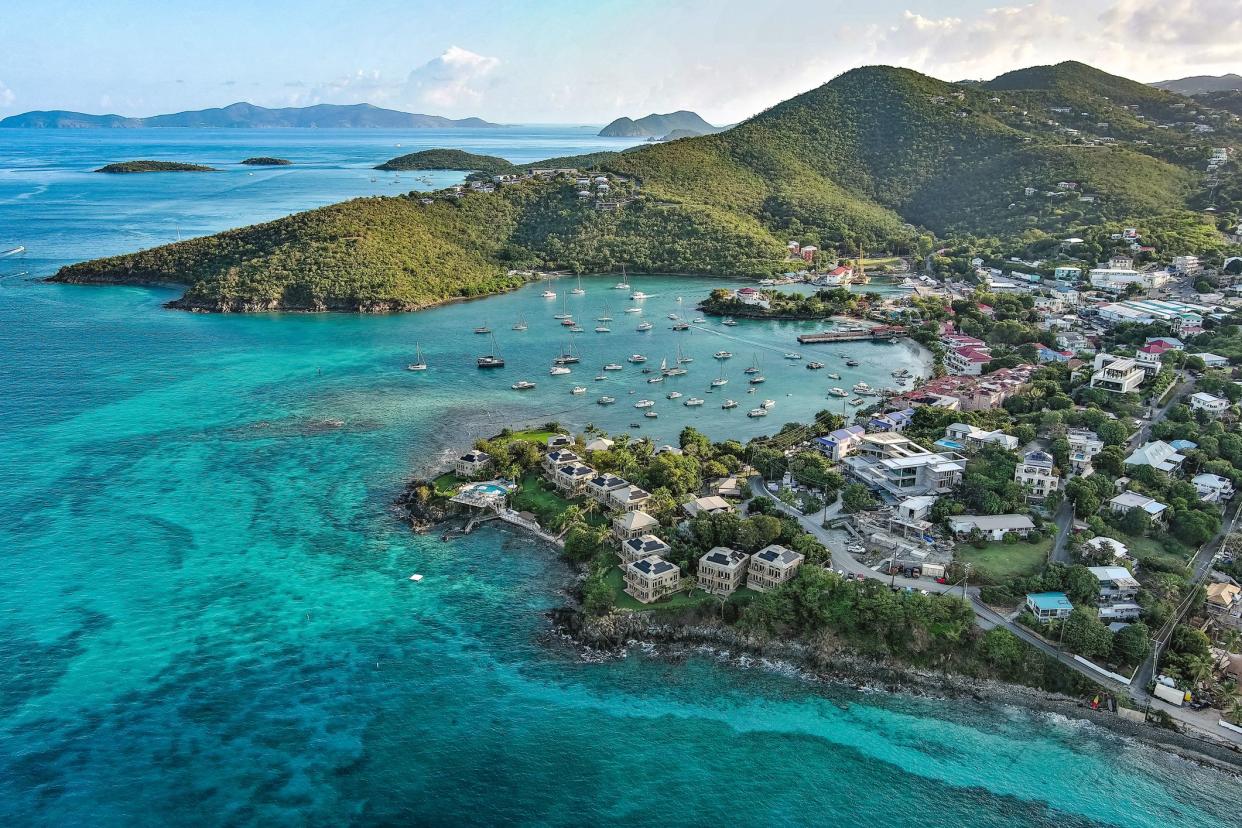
[830, 663]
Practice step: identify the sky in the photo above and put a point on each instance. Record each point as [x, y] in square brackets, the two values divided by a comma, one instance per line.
[563, 61]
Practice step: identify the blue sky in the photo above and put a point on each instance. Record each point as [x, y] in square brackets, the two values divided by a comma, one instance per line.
[556, 61]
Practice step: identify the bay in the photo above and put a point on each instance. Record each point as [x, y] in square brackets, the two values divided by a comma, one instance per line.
[205, 611]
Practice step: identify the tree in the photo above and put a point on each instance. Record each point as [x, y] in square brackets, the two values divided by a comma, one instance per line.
[756, 532]
[1087, 635]
[1112, 433]
[1135, 523]
[695, 442]
[769, 461]
[857, 498]
[597, 596]
[679, 473]
[1132, 644]
[582, 542]
[1002, 649]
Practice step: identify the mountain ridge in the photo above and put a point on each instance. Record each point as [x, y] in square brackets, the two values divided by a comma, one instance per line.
[657, 125]
[1199, 84]
[247, 115]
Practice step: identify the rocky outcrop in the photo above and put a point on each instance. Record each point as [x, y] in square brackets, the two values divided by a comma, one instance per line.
[418, 505]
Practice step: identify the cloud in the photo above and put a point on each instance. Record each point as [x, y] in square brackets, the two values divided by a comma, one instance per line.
[1211, 28]
[7, 97]
[455, 77]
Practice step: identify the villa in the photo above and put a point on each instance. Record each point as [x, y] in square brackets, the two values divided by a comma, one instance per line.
[772, 566]
[1212, 488]
[600, 487]
[651, 578]
[632, 525]
[961, 435]
[472, 464]
[1036, 474]
[559, 457]
[1084, 445]
[1157, 454]
[628, 499]
[1124, 502]
[635, 549]
[890, 463]
[841, 442]
[1213, 405]
[722, 570]
[1120, 375]
[893, 420]
[571, 478]
[711, 505]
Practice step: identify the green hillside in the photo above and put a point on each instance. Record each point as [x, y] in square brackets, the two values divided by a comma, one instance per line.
[877, 157]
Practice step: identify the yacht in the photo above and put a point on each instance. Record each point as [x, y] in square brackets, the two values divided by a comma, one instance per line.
[757, 378]
[723, 355]
[600, 377]
[853, 363]
[483, 329]
[568, 356]
[559, 370]
[492, 359]
[637, 358]
[548, 294]
[576, 329]
[793, 355]
[672, 395]
[656, 378]
[606, 316]
[814, 366]
[569, 323]
[638, 296]
[673, 316]
[856, 401]
[757, 412]
[693, 402]
[729, 404]
[768, 404]
[606, 400]
[644, 404]
[675, 371]
[578, 389]
[603, 329]
[862, 389]
[698, 320]
[624, 283]
[837, 392]
[522, 385]
[754, 366]
[681, 326]
[728, 320]
[719, 381]
[419, 364]
[834, 375]
[520, 325]
[633, 310]
[613, 366]
[644, 326]
[650, 415]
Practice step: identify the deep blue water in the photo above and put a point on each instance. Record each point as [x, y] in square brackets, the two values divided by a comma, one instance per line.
[205, 611]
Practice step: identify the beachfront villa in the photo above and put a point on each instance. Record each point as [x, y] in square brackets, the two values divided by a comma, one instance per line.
[571, 478]
[722, 570]
[628, 499]
[600, 487]
[632, 525]
[472, 464]
[651, 578]
[636, 549]
[772, 566]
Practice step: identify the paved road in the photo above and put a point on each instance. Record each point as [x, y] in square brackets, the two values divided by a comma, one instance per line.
[1183, 387]
[1064, 520]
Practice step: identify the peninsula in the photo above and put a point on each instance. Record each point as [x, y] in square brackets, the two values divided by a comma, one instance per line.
[153, 166]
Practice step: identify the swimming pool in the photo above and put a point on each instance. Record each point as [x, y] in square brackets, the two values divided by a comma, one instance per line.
[489, 489]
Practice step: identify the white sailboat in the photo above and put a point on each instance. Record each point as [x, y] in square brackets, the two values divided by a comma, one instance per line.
[520, 325]
[623, 284]
[419, 364]
[578, 291]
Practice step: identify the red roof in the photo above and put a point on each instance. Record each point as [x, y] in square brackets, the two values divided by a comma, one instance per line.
[748, 290]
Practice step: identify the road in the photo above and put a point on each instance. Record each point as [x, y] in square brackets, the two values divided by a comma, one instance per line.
[1064, 520]
[1183, 386]
[1205, 722]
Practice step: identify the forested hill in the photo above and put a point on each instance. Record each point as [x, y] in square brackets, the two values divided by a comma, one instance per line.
[878, 157]
[657, 126]
[243, 114]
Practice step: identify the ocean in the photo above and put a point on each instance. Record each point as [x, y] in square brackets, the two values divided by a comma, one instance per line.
[206, 615]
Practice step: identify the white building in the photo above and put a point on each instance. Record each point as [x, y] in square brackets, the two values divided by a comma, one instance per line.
[722, 570]
[472, 464]
[1124, 502]
[993, 527]
[1202, 401]
[772, 566]
[1157, 454]
[1115, 279]
[973, 437]
[1212, 488]
[1119, 375]
[1036, 474]
[1084, 445]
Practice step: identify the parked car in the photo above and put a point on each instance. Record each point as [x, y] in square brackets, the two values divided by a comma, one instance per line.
[942, 580]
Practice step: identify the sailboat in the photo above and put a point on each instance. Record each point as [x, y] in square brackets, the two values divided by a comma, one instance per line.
[605, 316]
[682, 359]
[492, 359]
[419, 364]
[754, 366]
[483, 329]
[578, 291]
[568, 356]
[720, 380]
[520, 325]
[623, 284]
[676, 370]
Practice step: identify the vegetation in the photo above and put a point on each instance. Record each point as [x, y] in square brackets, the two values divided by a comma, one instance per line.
[819, 305]
[153, 166]
[999, 561]
[267, 161]
[449, 159]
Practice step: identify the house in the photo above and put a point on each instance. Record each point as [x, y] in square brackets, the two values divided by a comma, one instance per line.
[1223, 599]
[571, 478]
[1067, 273]
[1084, 445]
[793, 248]
[711, 505]
[772, 566]
[808, 252]
[628, 499]
[1115, 584]
[1157, 454]
[893, 420]
[916, 508]
[1148, 357]
[1168, 341]
[722, 570]
[1212, 488]
[635, 549]
[472, 464]
[890, 463]
[961, 435]
[993, 527]
[1119, 375]
[651, 578]
[1212, 360]
[1124, 502]
[559, 441]
[750, 296]
[559, 457]
[1213, 405]
[841, 442]
[632, 525]
[1073, 341]
[599, 444]
[1049, 606]
[1110, 546]
[600, 487]
[1046, 354]
[1036, 474]
[967, 360]
[728, 487]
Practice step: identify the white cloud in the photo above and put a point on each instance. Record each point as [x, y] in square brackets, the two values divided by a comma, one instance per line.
[1212, 29]
[454, 78]
[7, 97]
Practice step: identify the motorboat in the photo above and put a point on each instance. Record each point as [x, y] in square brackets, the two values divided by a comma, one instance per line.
[656, 378]
[672, 395]
[644, 404]
[834, 375]
[837, 392]
[814, 366]
[522, 385]
[483, 329]
[559, 370]
[757, 412]
[650, 415]
[638, 296]
[793, 355]
[853, 363]
[768, 404]
[613, 366]
[636, 358]
[681, 326]
[568, 323]
[901, 372]
[606, 400]
[633, 310]
[645, 326]
[728, 320]
[856, 401]
[673, 316]
[578, 389]
[693, 402]
[757, 379]
[729, 404]
[698, 320]
[548, 294]
[864, 390]
[723, 355]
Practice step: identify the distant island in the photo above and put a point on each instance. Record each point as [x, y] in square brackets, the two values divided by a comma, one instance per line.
[448, 159]
[682, 124]
[1199, 84]
[266, 161]
[241, 115]
[153, 166]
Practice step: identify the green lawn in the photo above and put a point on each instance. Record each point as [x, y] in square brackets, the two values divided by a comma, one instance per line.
[616, 580]
[1145, 548]
[539, 497]
[446, 484]
[999, 561]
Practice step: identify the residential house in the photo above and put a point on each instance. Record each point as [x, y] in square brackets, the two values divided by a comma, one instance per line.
[571, 478]
[1148, 357]
[722, 570]
[893, 420]
[1120, 375]
[993, 527]
[651, 578]
[967, 360]
[732, 486]
[1036, 474]
[1117, 591]
[635, 549]
[1124, 502]
[1213, 405]
[599, 444]
[772, 566]
[1224, 599]
[1212, 488]
[1084, 445]
[628, 499]
[472, 464]
[711, 505]
[909, 474]
[841, 442]
[1049, 606]
[961, 435]
[750, 296]
[1212, 360]
[600, 487]
[1047, 354]
[1168, 341]
[1111, 546]
[1074, 341]
[559, 457]
[559, 441]
[632, 525]
[1157, 454]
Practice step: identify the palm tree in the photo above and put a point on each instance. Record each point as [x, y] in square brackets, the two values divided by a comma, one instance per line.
[567, 518]
[1199, 670]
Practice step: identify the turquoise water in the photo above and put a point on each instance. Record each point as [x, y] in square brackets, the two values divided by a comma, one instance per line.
[206, 617]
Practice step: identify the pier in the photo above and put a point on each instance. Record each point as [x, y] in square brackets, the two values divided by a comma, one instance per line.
[880, 333]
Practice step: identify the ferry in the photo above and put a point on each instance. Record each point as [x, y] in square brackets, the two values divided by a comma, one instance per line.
[419, 364]
[723, 355]
[728, 320]
[728, 404]
[638, 296]
[793, 355]
[637, 358]
[693, 401]
[644, 404]
[814, 366]
[522, 385]
[606, 400]
[613, 366]
[757, 412]
[672, 395]
[578, 389]
[758, 378]
[837, 392]
[558, 370]
[548, 294]
[645, 326]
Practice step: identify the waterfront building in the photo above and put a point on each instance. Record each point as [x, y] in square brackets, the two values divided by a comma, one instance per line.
[632, 525]
[637, 548]
[772, 566]
[628, 499]
[651, 578]
[472, 464]
[722, 570]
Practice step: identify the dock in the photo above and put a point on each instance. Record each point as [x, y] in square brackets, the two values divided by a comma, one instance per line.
[880, 333]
